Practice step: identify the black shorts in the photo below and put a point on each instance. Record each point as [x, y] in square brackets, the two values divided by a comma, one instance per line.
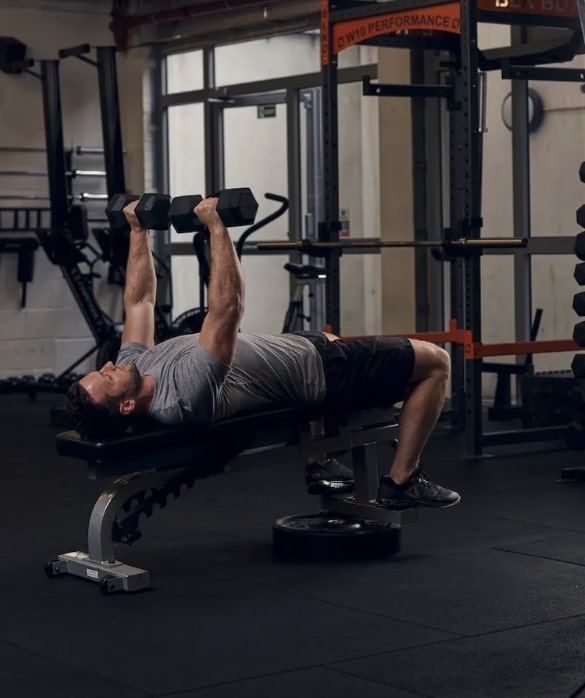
[365, 372]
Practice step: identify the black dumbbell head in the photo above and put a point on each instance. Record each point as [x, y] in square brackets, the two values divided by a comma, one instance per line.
[580, 273]
[580, 246]
[152, 211]
[581, 216]
[579, 333]
[182, 216]
[582, 172]
[579, 303]
[237, 207]
[115, 210]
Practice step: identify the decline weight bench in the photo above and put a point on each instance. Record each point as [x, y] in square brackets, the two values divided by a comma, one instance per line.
[147, 468]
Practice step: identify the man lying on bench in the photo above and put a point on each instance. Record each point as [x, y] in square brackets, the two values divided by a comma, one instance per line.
[220, 373]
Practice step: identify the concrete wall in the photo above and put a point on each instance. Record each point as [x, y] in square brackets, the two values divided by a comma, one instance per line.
[49, 334]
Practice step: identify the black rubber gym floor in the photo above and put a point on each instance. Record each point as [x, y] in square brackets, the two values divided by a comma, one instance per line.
[485, 599]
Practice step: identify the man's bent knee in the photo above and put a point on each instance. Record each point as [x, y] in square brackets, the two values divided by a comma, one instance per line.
[429, 359]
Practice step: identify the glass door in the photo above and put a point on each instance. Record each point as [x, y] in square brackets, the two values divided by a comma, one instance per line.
[253, 130]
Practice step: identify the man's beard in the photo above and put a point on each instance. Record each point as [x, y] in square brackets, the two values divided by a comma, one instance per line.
[135, 380]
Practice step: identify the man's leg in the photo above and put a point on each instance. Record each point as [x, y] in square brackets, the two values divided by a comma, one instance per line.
[421, 408]
[406, 484]
[318, 429]
[323, 474]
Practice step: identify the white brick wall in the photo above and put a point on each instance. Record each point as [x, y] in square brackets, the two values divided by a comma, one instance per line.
[50, 333]
[18, 356]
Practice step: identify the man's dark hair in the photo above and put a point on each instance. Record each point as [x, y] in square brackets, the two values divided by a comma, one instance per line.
[94, 420]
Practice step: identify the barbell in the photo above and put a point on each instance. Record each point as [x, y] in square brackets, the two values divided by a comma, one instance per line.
[78, 150]
[450, 247]
[42, 173]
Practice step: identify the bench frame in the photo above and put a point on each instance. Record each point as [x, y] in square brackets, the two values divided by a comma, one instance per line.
[146, 463]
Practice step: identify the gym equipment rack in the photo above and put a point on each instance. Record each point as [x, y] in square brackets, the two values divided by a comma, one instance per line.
[346, 23]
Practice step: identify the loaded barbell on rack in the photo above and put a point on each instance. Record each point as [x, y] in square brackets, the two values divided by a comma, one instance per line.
[235, 207]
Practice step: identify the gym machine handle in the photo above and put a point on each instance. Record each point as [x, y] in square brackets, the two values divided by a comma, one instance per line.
[263, 222]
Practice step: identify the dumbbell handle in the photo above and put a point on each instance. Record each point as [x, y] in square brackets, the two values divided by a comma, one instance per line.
[182, 214]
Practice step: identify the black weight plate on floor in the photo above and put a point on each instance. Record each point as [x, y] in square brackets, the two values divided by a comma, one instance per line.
[330, 537]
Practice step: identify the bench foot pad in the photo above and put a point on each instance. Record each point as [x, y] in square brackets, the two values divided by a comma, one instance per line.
[113, 577]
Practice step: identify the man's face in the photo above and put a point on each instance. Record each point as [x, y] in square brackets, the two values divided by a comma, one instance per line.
[120, 382]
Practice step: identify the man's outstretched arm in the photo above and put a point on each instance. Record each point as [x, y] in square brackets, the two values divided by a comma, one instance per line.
[225, 296]
[140, 286]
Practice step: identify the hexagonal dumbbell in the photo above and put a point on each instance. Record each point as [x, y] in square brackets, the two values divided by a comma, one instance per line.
[580, 246]
[579, 303]
[582, 172]
[579, 333]
[578, 366]
[152, 211]
[235, 207]
[115, 210]
[579, 274]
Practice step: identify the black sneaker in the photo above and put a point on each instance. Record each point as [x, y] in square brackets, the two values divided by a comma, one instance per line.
[331, 477]
[417, 491]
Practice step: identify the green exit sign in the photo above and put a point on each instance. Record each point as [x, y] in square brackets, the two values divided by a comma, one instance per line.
[266, 111]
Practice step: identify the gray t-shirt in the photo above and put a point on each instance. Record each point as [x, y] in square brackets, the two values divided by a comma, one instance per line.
[193, 385]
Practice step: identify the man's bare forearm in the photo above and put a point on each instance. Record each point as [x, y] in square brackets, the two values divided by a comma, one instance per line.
[226, 283]
[140, 274]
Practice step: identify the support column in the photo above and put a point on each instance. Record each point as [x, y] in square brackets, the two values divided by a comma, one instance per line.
[396, 196]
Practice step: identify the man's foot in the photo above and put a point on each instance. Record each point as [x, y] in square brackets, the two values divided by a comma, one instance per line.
[417, 491]
[331, 477]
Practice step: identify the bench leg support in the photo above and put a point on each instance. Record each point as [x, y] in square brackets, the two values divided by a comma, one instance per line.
[99, 563]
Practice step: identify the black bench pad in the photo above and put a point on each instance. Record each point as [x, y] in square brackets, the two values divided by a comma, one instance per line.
[211, 446]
